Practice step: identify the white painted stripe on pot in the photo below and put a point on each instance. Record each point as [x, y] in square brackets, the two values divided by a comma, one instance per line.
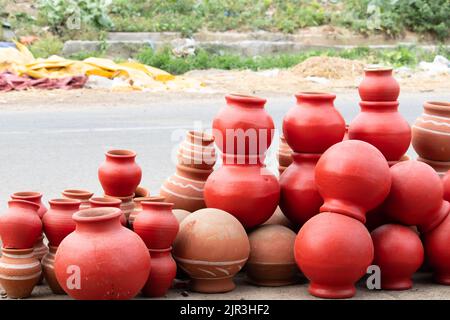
[209, 146]
[432, 131]
[19, 266]
[435, 117]
[210, 263]
[436, 123]
[286, 154]
[18, 256]
[207, 272]
[223, 270]
[184, 186]
[180, 195]
[27, 277]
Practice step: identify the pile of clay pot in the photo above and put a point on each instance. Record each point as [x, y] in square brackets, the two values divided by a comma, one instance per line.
[347, 198]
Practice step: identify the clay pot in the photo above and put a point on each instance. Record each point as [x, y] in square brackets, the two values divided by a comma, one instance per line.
[378, 85]
[314, 124]
[114, 269]
[271, 262]
[362, 174]
[197, 151]
[48, 268]
[381, 125]
[440, 167]
[120, 175]
[141, 192]
[20, 225]
[156, 225]
[81, 195]
[211, 246]
[431, 132]
[278, 218]
[110, 202]
[162, 273]
[58, 221]
[284, 155]
[180, 214]
[39, 248]
[138, 207]
[299, 198]
[127, 205]
[35, 197]
[399, 254]
[446, 182]
[333, 251]
[20, 272]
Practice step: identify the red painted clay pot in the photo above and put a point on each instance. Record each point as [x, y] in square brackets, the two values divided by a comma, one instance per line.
[299, 198]
[99, 202]
[58, 222]
[243, 126]
[120, 175]
[333, 251]
[156, 225]
[113, 269]
[284, 155]
[352, 177]
[48, 268]
[399, 254]
[20, 225]
[446, 182]
[138, 206]
[35, 197]
[314, 124]
[381, 125]
[81, 195]
[379, 85]
[162, 273]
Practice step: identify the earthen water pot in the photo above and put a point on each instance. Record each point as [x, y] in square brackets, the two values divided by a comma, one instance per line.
[31, 196]
[378, 84]
[399, 254]
[102, 202]
[333, 251]
[314, 124]
[446, 182]
[109, 260]
[138, 206]
[440, 167]
[48, 269]
[78, 194]
[212, 246]
[353, 177]
[120, 175]
[127, 204]
[197, 151]
[162, 273]
[284, 155]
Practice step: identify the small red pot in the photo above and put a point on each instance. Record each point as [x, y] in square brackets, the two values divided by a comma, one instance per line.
[162, 273]
[379, 85]
[99, 202]
[35, 197]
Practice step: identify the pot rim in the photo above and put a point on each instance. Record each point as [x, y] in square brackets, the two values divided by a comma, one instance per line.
[120, 153]
[29, 203]
[77, 192]
[315, 95]
[96, 214]
[103, 200]
[59, 201]
[158, 204]
[123, 199]
[248, 100]
[377, 68]
[203, 136]
[150, 199]
[437, 105]
[21, 195]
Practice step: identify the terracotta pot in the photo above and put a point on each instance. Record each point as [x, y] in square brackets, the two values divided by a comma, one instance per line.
[180, 214]
[197, 151]
[20, 271]
[212, 246]
[48, 268]
[141, 192]
[114, 269]
[278, 218]
[162, 273]
[35, 197]
[81, 195]
[333, 251]
[248, 191]
[314, 124]
[138, 207]
[378, 85]
[446, 182]
[363, 176]
[284, 155]
[243, 126]
[39, 248]
[271, 262]
[120, 175]
[399, 254]
[110, 202]
[156, 225]
[20, 225]
[381, 125]
[431, 132]
[127, 205]
[440, 167]
[299, 198]
[58, 221]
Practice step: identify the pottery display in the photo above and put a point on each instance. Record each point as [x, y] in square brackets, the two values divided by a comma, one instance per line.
[446, 183]
[278, 218]
[31, 196]
[138, 207]
[333, 251]
[120, 175]
[127, 204]
[114, 269]
[284, 155]
[81, 195]
[211, 264]
[101, 202]
[180, 214]
[271, 261]
[162, 273]
[48, 269]
[398, 251]
[440, 167]
[378, 84]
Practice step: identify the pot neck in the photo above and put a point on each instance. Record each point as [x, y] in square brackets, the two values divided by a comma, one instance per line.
[243, 160]
[378, 72]
[23, 204]
[243, 101]
[311, 158]
[105, 202]
[315, 99]
[35, 197]
[17, 253]
[154, 253]
[379, 106]
[157, 206]
[97, 219]
[120, 156]
[65, 204]
[77, 194]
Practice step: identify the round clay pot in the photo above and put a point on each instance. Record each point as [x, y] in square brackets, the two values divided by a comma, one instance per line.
[127, 205]
[120, 175]
[378, 84]
[99, 202]
[431, 132]
[20, 225]
[362, 174]
[48, 268]
[211, 246]
[138, 206]
[197, 151]
[162, 273]
[35, 197]
[243, 126]
[180, 214]
[299, 198]
[156, 225]
[399, 254]
[278, 218]
[58, 221]
[114, 269]
[141, 192]
[271, 262]
[314, 124]
[20, 272]
[440, 167]
[446, 182]
[81, 195]
[284, 155]
[381, 125]
[333, 251]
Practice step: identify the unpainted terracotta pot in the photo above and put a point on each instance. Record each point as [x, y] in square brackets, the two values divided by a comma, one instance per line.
[141, 192]
[314, 124]
[197, 151]
[333, 251]
[114, 269]
[399, 254]
[40, 249]
[378, 84]
[446, 182]
[162, 273]
[102, 202]
[20, 272]
[138, 207]
[284, 155]
[48, 268]
[440, 167]
[212, 246]
[271, 262]
[278, 218]
[31, 196]
[180, 214]
[127, 205]
[79, 194]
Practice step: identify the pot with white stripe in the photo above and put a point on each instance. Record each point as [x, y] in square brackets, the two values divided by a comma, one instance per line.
[197, 151]
[48, 268]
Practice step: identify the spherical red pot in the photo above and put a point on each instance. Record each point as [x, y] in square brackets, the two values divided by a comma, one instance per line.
[314, 124]
[352, 177]
[120, 175]
[381, 125]
[333, 251]
[446, 182]
[102, 259]
[162, 273]
[379, 85]
[299, 198]
[156, 224]
[399, 253]
[102, 202]
[243, 126]
[20, 225]
[58, 222]
[35, 197]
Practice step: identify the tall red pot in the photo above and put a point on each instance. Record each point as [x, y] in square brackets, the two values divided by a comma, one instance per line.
[379, 85]
[35, 197]
[162, 273]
